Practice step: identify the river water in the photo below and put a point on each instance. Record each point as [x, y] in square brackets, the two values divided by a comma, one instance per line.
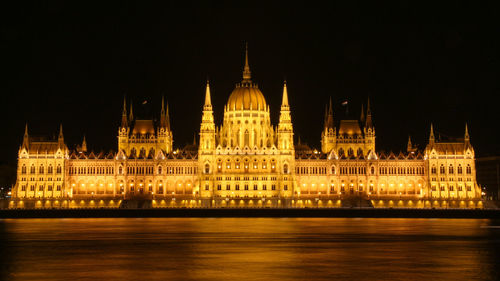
[249, 249]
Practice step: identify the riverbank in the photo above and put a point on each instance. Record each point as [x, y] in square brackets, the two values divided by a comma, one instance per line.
[251, 212]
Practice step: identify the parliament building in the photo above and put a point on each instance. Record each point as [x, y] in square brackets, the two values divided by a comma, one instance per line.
[245, 162]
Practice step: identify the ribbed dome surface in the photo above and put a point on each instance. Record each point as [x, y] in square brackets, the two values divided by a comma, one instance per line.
[245, 95]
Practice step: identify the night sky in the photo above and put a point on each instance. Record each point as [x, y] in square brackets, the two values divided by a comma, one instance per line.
[73, 64]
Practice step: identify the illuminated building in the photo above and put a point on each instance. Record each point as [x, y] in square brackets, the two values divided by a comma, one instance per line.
[246, 162]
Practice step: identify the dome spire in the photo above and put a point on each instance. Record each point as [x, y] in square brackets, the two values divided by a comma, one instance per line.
[284, 101]
[208, 101]
[246, 70]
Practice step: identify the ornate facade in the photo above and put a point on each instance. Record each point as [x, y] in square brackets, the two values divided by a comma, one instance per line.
[246, 162]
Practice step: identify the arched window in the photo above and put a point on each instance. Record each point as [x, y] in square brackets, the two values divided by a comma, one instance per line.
[372, 170]
[160, 170]
[41, 170]
[120, 170]
[450, 169]
[433, 170]
[360, 152]
[58, 169]
[207, 168]
[333, 170]
[23, 169]
[350, 152]
[285, 169]
[341, 151]
[50, 170]
[468, 169]
[459, 169]
[441, 169]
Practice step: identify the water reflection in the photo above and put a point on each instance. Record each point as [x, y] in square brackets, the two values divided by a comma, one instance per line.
[247, 248]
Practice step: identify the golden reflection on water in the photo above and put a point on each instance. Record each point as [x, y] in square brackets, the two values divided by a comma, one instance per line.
[248, 249]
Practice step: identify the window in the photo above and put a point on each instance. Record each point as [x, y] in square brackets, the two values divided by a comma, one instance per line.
[237, 187]
[160, 170]
[433, 170]
[441, 169]
[228, 187]
[120, 170]
[254, 187]
[285, 168]
[32, 169]
[50, 170]
[273, 187]
[49, 188]
[23, 188]
[58, 169]
[207, 168]
[23, 169]
[442, 188]
[206, 186]
[459, 169]
[451, 188]
[450, 169]
[219, 186]
[333, 170]
[264, 187]
[372, 170]
[285, 187]
[468, 169]
[58, 188]
[246, 186]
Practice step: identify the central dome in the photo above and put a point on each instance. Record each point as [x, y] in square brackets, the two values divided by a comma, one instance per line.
[246, 96]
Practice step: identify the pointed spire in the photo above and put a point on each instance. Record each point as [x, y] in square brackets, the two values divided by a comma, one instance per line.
[326, 117]
[284, 101]
[167, 119]
[84, 144]
[431, 135]
[194, 138]
[362, 117]
[208, 100]
[246, 70]
[369, 121]
[409, 146]
[163, 119]
[26, 136]
[60, 139]
[131, 113]
[124, 114]
[329, 120]
[162, 105]
[466, 137]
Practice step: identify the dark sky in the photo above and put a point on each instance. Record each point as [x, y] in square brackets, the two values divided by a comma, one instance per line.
[73, 63]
